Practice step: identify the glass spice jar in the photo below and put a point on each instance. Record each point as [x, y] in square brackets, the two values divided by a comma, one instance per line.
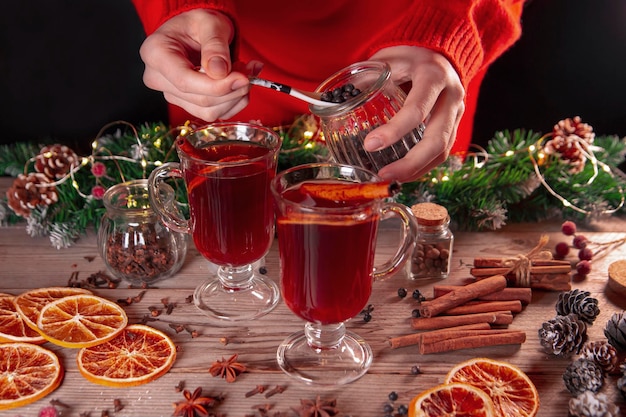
[432, 256]
[346, 124]
[133, 243]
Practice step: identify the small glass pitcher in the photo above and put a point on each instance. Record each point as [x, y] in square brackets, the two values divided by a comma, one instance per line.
[346, 124]
[133, 243]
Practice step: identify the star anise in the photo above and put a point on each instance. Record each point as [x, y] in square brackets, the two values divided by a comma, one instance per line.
[227, 368]
[194, 404]
[317, 408]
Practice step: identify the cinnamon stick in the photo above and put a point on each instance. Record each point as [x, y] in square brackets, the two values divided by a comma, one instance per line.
[550, 282]
[462, 295]
[507, 294]
[547, 269]
[502, 263]
[468, 342]
[471, 307]
[416, 338]
[440, 322]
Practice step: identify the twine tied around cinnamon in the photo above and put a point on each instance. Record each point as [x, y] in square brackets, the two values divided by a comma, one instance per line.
[521, 264]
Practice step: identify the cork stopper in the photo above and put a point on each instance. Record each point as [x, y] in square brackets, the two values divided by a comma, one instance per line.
[430, 214]
[617, 276]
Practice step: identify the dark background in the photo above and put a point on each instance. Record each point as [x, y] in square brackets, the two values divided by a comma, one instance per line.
[67, 68]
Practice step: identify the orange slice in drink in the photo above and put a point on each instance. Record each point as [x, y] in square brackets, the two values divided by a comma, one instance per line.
[138, 355]
[456, 399]
[13, 328]
[30, 303]
[510, 389]
[27, 373]
[79, 321]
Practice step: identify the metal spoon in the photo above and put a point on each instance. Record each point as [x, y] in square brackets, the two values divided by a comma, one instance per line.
[308, 96]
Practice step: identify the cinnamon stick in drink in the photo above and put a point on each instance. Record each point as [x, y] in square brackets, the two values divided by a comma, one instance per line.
[462, 295]
[507, 294]
[350, 190]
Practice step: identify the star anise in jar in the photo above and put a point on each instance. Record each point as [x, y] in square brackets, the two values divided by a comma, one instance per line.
[193, 405]
[227, 368]
[317, 408]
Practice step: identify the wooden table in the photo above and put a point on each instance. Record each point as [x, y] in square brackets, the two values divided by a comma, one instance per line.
[27, 262]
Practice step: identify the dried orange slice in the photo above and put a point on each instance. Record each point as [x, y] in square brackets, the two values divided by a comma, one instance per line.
[456, 399]
[30, 303]
[27, 373]
[510, 389]
[79, 321]
[138, 355]
[12, 325]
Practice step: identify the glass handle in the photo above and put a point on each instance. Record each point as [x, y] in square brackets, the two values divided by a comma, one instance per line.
[162, 197]
[409, 235]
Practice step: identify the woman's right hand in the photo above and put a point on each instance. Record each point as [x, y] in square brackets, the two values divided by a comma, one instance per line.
[174, 53]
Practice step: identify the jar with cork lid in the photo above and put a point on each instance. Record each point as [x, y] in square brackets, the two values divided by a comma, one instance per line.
[432, 256]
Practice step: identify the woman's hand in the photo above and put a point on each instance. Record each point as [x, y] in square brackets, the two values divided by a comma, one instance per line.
[178, 48]
[435, 98]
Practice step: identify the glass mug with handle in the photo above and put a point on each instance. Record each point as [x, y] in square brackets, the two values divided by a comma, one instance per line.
[327, 221]
[227, 169]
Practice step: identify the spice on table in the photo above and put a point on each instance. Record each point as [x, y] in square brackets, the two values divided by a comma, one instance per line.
[440, 322]
[317, 407]
[278, 389]
[471, 307]
[524, 295]
[506, 337]
[228, 369]
[259, 389]
[461, 295]
[417, 338]
[193, 403]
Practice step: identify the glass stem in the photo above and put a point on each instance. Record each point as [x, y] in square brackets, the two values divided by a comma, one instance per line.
[235, 278]
[324, 336]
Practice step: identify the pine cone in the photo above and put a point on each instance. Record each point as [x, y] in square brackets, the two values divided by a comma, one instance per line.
[621, 385]
[55, 161]
[602, 353]
[569, 137]
[583, 375]
[580, 303]
[563, 335]
[30, 191]
[589, 404]
[615, 331]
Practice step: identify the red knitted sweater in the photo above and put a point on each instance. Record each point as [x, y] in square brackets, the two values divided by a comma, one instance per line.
[301, 43]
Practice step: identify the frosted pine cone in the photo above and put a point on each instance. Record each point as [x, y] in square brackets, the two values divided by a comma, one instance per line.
[563, 335]
[602, 353]
[55, 161]
[615, 331]
[569, 138]
[589, 404]
[30, 191]
[583, 375]
[580, 303]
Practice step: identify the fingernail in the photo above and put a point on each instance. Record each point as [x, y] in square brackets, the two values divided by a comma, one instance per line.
[217, 67]
[373, 144]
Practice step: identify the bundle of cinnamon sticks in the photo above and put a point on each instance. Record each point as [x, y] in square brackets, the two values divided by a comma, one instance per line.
[545, 274]
[467, 316]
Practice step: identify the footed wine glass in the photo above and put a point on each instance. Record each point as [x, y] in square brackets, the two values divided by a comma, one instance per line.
[327, 223]
[227, 168]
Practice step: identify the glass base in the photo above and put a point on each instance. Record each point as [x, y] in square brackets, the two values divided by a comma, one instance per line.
[346, 362]
[222, 300]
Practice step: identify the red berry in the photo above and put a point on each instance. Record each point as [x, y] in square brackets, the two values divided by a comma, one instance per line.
[561, 249]
[585, 254]
[579, 242]
[583, 268]
[568, 228]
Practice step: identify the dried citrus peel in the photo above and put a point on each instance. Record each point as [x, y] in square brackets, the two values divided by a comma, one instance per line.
[350, 191]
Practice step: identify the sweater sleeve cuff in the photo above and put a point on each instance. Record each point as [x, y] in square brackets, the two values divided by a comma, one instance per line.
[470, 39]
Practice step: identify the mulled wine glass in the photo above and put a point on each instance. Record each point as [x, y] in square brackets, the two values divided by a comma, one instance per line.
[227, 169]
[327, 243]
